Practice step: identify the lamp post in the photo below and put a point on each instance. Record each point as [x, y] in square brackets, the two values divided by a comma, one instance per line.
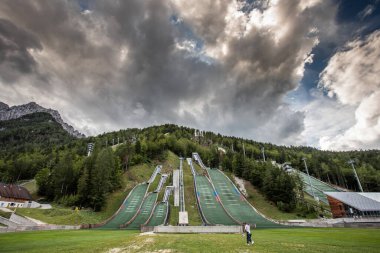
[263, 151]
[308, 175]
[356, 175]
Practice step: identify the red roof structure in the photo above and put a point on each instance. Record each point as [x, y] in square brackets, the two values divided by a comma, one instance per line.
[14, 191]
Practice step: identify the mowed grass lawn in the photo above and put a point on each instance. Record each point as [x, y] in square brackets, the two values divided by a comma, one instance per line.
[267, 240]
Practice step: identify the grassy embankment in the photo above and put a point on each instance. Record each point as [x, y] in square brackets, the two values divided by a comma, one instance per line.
[135, 174]
[266, 240]
[66, 216]
[266, 207]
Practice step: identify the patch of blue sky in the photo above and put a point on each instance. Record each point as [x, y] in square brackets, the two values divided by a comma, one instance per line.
[186, 35]
[84, 5]
[249, 5]
[350, 19]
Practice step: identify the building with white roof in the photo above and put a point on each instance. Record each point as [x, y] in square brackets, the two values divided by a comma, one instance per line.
[354, 204]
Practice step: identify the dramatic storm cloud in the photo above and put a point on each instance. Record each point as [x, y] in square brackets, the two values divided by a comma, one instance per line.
[352, 75]
[225, 66]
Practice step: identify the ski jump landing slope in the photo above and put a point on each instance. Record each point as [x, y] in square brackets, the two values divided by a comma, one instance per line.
[160, 214]
[232, 201]
[209, 203]
[318, 187]
[131, 206]
[144, 212]
[235, 203]
[128, 209]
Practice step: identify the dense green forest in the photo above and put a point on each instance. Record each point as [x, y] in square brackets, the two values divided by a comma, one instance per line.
[35, 146]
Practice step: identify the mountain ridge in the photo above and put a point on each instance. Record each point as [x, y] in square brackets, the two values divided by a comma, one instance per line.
[17, 111]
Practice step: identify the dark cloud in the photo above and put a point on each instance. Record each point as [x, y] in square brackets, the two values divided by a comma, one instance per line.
[14, 56]
[124, 64]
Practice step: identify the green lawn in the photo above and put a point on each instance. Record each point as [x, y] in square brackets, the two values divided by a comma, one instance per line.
[6, 215]
[67, 216]
[266, 240]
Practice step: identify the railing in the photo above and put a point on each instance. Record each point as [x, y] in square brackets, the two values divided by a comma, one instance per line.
[190, 162]
[168, 192]
[156, 171]
[161, 183]
[199, 160]
[181, 188]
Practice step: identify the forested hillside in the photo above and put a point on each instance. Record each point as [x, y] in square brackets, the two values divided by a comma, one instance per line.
[35, 146]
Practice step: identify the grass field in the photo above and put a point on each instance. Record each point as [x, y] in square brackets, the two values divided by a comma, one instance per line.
[266, 240]
[190, 200]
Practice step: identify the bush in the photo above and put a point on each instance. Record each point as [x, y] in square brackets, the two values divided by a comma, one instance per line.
[69, 200]
[285, 207]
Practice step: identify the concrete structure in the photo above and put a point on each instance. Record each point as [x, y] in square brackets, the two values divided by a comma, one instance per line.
[155, 172]
[36, 228]
[338, 223]
[199, 229]
[183, 218]
[161, 183]
[21, 220]
[354, 204]
[176, 187]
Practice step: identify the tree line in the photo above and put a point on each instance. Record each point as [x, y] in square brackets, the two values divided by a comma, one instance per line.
[37, 146]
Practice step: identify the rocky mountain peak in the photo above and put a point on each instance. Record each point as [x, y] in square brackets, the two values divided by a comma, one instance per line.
[3, 106]
[17, 111]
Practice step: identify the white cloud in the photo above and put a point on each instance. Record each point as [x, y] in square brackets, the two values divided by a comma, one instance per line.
[352, 76]
[368, 10]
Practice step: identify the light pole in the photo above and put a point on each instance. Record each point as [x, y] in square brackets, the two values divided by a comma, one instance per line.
[356, 175]
[308, 175]
[263, 151]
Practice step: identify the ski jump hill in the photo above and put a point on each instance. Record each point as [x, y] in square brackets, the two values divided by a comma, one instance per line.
[219, 201]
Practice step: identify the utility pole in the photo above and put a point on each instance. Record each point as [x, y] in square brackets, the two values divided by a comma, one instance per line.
[263, 151]
[308, 175]
[244, 150]
[356, 175]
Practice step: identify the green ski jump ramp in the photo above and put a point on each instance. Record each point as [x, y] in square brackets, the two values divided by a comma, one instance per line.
[128, 209]
[209, 204]
[144, 213]
[160, 215]
[233, 201]
[318, 187]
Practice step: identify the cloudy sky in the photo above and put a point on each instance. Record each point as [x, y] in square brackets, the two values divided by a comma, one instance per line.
[292, 72]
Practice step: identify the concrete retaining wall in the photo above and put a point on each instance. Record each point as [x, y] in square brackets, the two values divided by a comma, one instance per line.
[36, 228]
[8, 223]
[341, 222]
[198, 229]
[21, 220]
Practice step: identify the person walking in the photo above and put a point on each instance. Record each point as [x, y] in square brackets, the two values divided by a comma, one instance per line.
[247, 229]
